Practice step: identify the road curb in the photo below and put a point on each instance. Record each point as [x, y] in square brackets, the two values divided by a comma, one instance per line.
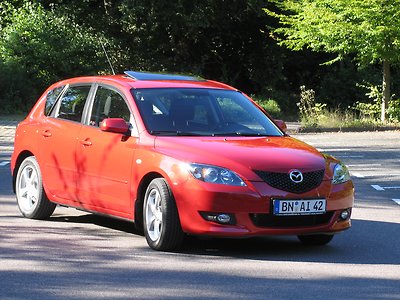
[345, 129]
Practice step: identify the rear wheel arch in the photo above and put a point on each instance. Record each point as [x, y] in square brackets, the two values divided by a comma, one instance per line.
[21, 157]
[31, 197]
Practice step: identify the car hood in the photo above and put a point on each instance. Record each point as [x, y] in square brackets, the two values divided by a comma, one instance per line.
[244, 154]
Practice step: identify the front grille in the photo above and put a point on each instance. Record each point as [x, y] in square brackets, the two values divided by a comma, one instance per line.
[272, 221]
[283, 182]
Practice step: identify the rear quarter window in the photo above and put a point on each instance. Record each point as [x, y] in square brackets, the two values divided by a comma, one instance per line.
[51, 99]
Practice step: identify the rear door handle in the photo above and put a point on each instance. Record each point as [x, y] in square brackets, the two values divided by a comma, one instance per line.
[86, 142]
[46, 133]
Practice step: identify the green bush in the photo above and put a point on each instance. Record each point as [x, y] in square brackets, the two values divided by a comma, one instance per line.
[317, 115]
[372, 110]
[270, 105]
[17, 89]
[368, 110]
[38, 48]
[311, 112]
[394, 110]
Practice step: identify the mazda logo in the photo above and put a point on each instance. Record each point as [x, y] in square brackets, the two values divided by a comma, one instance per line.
[296, 176]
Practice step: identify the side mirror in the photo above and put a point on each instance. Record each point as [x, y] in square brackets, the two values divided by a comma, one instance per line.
[281, 124]
[116, 125]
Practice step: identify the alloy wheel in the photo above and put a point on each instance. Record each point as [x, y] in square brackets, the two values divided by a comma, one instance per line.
[154, 218]
[28, 188]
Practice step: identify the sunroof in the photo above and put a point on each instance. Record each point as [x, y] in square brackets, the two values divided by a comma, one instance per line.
[156, 76]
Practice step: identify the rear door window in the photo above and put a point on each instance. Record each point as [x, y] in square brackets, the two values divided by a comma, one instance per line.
[73, 102]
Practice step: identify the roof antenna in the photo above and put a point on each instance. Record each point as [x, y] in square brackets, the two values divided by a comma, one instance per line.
[108, 59]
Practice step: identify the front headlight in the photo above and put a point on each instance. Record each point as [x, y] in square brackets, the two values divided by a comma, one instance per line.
[340, 174]
[215, 174]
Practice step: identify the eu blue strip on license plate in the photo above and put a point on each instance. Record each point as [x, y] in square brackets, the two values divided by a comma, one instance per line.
[299, 207]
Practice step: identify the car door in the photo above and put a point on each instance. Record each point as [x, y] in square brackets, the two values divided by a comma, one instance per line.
[105, 158]
[59, 134]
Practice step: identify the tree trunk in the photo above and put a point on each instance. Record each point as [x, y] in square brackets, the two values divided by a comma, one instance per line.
[385, 89]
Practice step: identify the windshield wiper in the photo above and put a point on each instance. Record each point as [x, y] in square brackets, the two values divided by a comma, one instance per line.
[238, 133]
[175, 133]
[191, 133]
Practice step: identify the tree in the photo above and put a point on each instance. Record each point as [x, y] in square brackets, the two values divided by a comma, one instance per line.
[221, 40]
[41, 48]
[367, 29]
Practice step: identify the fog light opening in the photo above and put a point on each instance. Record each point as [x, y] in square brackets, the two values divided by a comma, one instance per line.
[224, 218]
[212, 218]
[345, 215]
[221, 218]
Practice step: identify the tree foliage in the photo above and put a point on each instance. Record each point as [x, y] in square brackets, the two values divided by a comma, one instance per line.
[42, 47]
[369, 29]
[42, 41]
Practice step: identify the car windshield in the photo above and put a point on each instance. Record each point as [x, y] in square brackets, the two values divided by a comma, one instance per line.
[201, 112]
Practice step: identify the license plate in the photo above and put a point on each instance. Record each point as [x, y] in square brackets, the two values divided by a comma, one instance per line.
[299, 207]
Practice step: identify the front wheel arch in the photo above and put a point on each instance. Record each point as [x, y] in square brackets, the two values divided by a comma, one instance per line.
[141, 192]
[162, 225]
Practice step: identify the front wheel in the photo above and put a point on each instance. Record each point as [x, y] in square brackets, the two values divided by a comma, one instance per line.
[316, 239]
[31, 198]
[162, 227]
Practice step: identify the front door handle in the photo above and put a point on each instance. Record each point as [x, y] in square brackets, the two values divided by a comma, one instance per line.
[86, 142]
[46, 133]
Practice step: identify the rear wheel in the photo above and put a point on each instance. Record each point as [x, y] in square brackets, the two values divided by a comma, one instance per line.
[316, 240]
[31, 198]
[162, 227]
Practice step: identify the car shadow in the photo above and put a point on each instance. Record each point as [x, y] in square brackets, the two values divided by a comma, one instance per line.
[362, 244]
[106, 222]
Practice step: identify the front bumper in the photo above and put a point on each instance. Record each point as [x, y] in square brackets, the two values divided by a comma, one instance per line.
[251, 209]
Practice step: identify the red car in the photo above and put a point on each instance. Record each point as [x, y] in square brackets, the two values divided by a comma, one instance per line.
[177, 155]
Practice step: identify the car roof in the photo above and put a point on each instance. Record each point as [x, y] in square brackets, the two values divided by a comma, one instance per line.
[138, 80]
[160, 76]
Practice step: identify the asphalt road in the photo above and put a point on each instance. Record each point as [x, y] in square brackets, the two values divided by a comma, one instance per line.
[76, 255]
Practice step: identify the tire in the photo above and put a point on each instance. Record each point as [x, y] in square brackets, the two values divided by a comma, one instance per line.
[31, 197]
[315, 240]
[161, 223]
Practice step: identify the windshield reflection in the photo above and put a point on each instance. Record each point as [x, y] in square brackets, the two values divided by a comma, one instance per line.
[201, 112]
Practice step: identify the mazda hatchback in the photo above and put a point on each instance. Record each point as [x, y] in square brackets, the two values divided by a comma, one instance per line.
[178, 156]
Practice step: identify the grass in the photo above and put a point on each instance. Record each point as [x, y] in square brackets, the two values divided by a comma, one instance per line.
[344, 121]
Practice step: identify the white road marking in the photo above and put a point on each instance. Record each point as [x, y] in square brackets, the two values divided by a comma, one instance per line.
[4, 163]
[366, 169]
[358, 175]
[380, 173]
[365, 165]
[383, 188]
[377, 187]
[350, 156]
[397, 201]
[338, 149]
